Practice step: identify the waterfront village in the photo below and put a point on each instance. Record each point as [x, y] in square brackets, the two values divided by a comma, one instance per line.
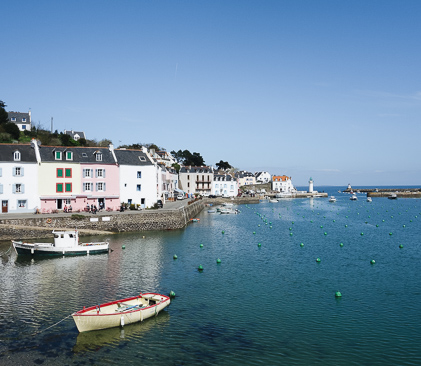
[48, 179]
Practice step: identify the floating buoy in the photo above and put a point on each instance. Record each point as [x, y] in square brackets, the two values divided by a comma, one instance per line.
[201, 245]
[174, 256]
[290, 228]
[302, 244]
[346, 225]
[321, 226]
[218, 261]
[259, 245]
[290, 234]
[372, 261]
[377, 225]
[254, 231]
[325, 233]
[317, 260]
[400, 246]
[258, 225]
[123, 247]
[172, 294]
[390, 233]
[200, 268]
[223, 232]
[403, 226]
[338, 294]
[362, 234]
[341, 244]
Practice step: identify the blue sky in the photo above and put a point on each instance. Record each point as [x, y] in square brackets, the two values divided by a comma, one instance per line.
[327, 89]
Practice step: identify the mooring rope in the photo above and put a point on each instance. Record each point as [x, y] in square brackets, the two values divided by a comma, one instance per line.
[7, 251]
[40, 331]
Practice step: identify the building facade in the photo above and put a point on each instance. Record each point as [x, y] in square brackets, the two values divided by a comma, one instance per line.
[282, 184]
[22, 120]
[193, 179]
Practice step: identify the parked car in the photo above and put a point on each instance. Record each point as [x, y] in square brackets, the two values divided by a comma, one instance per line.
[159, 203]
[180, 197]
[212, 196]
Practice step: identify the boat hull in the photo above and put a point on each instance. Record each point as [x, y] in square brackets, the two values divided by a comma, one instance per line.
[108, 316]
[48, 250]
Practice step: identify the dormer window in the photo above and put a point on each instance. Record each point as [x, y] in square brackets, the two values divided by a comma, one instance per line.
[16, 156]
[84, 155]
[23, 119]
[98, 156]
[69, 155]
[58, 155]
[142, 158]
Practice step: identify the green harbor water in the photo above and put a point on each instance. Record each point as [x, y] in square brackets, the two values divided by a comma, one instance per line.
[268, 304]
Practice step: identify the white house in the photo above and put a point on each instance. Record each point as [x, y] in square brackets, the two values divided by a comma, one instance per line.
[22, 120]
[196, 179]
[262, 177]
[282, 184]
[18, 178]
[139, 178]
[224, 185]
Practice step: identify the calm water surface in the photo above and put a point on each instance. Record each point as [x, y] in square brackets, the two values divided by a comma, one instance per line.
[268, 304]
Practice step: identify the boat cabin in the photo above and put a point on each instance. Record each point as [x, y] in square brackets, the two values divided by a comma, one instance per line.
[66, 239]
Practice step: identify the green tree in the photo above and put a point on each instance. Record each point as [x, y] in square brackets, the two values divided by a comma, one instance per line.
[187, 158]
[4, 117]
[223, 165]
[12, 129]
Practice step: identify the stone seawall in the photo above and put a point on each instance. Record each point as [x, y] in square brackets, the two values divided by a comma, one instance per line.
[41, 226]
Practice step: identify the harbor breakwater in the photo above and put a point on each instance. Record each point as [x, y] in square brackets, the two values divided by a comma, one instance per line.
[40, 226]
[386, 192]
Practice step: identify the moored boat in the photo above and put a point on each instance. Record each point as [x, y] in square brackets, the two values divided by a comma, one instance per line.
[332, 199]
[369, 199]
[66, 243]
[353, 197]
[273, 200]
[393, 196]
[120, 312]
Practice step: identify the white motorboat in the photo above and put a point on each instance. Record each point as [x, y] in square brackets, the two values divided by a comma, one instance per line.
[332, 199]
[120, 312]
[369, 199]
[393, 196]
[66, 243]
[353, 197]
[227, 204]
[273, 200]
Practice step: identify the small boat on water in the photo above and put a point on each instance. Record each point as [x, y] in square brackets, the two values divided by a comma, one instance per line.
[226, 211]
[353, 197]
[332, 199]
[369, 199]
[393, 196]
[211, 211]
[66, 243]
[120, 312]
[273, 200]
[227, 204]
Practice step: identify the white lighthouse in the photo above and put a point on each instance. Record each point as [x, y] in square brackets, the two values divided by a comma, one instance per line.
[310, 185]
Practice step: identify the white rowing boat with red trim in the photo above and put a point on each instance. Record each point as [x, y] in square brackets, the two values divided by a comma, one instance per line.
[120, 312]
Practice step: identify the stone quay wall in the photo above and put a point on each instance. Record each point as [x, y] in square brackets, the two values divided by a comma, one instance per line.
[41, 227]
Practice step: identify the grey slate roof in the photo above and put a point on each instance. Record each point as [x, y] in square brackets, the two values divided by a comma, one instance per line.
[132, 157]
[222, 177]
[196, 169]
[243, 173]
[19, 116]
[27, 153]
[80, 154]
[73, 133]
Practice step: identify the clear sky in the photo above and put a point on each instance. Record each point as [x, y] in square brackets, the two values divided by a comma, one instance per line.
[327, 89]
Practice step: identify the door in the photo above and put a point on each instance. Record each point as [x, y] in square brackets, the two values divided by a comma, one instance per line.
[101, 204]
[59, 204]
[142, 203]
[4, 206]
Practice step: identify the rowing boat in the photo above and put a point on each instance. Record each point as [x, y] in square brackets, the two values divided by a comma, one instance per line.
[120, 312]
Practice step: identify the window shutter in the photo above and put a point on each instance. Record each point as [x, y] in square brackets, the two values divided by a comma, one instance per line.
[1, 188]
[14, 172]
[103, 186]
[22, 188]
[96, 186]
[103, 174]
[92, 173]
[96, 173]
[0, 172]
[83, 187]
[21, 171]
[84, 173]
[14, 188]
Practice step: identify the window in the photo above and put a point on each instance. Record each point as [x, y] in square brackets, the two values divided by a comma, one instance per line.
[23, 127]
[59, 173]
[188, 177]
[87, 173]
[142, 158]
[69, 155]
[58, 155]
[21, 203]
[18, 188]
[100, 173]
[87, 187]
[68, 172]
[13, 119]
[16, 156]
[139, 187]
[98, 156]
[59, 187]
[188, 185]
[23, 119]
[67, 201]
[18, 171]
[68, 187]
[139, 174]
[84, 155]
[100, 186]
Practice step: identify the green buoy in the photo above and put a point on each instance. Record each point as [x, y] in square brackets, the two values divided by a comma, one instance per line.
[341, 244]
[325, 233]
[390, 233]
[218, 261]
[123, 247]
[223, 232]
[290, 234]
[338, 294]
[400, 246]
[201, 245]
[362, 234]
[259, 245]
[302, 244]
[318, 260]
[200, 268]
[372, 261]
[254, 231]
[174, 256]
[172, 294]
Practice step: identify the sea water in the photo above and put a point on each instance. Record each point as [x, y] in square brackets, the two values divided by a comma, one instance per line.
[272, 303]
